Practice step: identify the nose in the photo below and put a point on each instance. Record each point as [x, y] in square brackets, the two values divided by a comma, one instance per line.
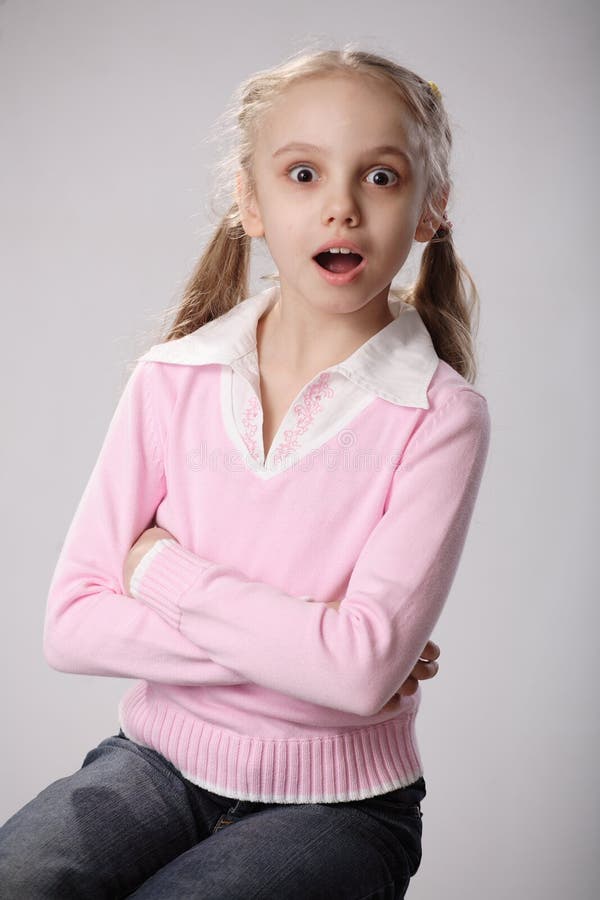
[340, 206]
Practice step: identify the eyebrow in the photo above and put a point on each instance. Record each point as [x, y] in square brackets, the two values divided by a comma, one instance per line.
[389, 149]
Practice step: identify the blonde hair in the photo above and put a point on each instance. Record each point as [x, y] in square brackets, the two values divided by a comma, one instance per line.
[220, 278]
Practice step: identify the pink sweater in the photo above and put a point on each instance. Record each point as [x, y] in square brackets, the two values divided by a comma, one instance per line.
[245, 680]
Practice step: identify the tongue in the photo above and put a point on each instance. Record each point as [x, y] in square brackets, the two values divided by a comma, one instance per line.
[339, 262]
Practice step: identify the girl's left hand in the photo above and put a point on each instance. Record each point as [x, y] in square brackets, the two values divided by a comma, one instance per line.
[146, 540]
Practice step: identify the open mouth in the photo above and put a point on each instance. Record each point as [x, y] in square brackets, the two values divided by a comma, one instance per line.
[338, 262]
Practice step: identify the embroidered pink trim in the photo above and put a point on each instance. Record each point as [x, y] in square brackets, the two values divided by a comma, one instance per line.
[250, 427]
[305, 413]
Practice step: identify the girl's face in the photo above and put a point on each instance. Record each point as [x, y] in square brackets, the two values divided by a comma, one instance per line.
[342, 187]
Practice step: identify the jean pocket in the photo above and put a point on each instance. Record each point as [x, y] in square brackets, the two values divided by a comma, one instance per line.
[403, 803]
[410, 809]
[394, 803]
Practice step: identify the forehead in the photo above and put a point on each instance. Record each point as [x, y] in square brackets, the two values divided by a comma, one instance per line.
[341, 110]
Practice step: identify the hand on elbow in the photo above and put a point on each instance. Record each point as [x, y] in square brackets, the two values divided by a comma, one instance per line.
[426, 667]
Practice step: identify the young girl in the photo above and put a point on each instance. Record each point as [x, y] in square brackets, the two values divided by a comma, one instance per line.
[274, 523]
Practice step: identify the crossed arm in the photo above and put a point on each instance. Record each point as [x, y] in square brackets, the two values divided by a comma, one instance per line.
[426, 666]
[191, 621]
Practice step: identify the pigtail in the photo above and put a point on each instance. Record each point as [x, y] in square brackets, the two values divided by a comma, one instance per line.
[440, 296]
[219, 280]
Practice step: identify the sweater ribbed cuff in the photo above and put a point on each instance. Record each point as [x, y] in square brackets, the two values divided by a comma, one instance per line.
[163, 575]
[143, 565]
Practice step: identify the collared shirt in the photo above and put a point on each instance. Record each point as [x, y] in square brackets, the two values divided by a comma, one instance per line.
[397, 364]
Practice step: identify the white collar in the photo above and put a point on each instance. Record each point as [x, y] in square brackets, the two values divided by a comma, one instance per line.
[397, 363]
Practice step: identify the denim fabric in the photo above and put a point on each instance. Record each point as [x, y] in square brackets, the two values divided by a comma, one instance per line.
[128, 824]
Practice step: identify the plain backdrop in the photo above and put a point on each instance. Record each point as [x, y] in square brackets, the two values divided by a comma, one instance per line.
[105, 185]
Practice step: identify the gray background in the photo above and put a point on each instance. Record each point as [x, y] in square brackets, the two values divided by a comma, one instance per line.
[105, 181]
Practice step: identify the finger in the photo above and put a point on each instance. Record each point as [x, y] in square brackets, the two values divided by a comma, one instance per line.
[430, 651]
[424, 670]
[409, 687]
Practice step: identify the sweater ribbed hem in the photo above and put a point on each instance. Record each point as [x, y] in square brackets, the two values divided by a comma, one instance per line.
[351, 765]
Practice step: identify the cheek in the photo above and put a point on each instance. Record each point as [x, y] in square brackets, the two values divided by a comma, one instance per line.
[403, 231]
[286, 239]
[397, 251]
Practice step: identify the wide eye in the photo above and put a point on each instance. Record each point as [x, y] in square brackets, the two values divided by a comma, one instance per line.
[386, 171]
[303, 168]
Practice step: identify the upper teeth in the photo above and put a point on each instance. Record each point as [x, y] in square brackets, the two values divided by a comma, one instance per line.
[339, 250]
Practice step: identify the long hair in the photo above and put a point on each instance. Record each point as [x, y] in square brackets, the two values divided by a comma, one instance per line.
[220, 277]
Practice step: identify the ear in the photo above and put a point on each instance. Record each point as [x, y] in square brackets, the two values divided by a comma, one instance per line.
[430, 222]
[249, 211]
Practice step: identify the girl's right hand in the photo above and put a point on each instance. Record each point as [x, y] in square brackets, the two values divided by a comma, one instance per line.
[425, 667]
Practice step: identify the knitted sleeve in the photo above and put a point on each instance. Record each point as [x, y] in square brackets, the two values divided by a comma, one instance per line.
[91, 626]
[355, 657]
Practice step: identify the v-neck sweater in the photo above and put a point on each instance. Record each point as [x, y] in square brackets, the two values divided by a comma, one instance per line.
[245, 680]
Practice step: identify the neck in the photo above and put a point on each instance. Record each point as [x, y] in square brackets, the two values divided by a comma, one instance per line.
[303, 341]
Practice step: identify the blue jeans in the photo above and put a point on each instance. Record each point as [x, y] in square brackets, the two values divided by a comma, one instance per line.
[128, 824]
